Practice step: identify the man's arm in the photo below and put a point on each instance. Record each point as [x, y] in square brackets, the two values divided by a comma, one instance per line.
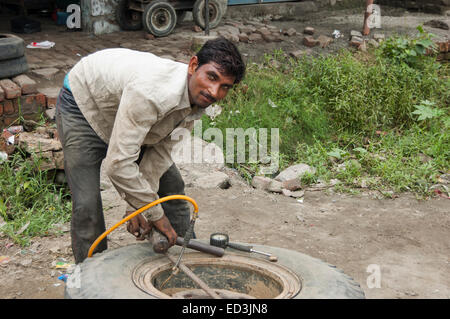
[135, 116]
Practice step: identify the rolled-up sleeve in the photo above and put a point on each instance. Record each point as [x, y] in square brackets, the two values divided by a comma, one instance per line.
[136, 114]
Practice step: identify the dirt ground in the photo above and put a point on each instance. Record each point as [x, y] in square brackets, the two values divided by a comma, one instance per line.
[407, 239]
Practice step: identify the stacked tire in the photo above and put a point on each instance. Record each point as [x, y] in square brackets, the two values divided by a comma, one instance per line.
[12, 56]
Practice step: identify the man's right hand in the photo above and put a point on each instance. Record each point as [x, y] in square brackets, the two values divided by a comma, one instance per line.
[164, 226]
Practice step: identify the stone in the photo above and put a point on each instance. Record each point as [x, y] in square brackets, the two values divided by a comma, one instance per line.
[296, 194]
[297, 54]
[213, 180]
[26, 84]
[2, 94]
[373, 43]
[263, 31]
[38, 143]
[292, 184]
[197, 28]
[295, 171]
[232, 30]
[255, 37]
[290, 32]
[309, 30]
[243, 37]
[50, 113]
[356, 42]
[274, 186]
[437, 24]
[354, 33]
[261, 182]
[246, 29]
[309, 41]
[379, 36]
[11, 89]
[46, 73]
[324, 41]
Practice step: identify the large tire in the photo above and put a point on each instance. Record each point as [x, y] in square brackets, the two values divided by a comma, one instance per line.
[13, 67]
[11, 47]
[159, 18]
[128, 20]
[215, 13]
[108, 275]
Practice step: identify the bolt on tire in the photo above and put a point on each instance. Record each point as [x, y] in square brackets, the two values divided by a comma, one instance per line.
[215, 13]
[159, 18]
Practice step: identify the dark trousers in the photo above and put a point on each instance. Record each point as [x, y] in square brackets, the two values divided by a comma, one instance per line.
[84, 151]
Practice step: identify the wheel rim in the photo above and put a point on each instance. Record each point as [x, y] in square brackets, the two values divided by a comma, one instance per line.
[160, 19]
[212, 10]
[231, 276]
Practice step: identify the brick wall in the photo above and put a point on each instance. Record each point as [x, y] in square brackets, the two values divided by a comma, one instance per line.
[19, 97]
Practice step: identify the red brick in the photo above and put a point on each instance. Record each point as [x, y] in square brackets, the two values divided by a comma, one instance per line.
[8, 107]
[309, 41]
[33, 103]
[1, 109]
[10, 120]
[12, 90]
[27, 85]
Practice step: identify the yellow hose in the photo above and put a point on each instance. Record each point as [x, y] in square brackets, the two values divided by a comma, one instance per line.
[140, 210]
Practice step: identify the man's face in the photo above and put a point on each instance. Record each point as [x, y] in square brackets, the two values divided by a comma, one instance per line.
[207, 84]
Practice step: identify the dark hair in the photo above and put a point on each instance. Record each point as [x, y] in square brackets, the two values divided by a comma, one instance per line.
[225, 55]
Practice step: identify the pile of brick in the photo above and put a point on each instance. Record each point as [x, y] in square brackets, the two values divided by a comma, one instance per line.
[19, 97]
[443, 48]
[250, 32]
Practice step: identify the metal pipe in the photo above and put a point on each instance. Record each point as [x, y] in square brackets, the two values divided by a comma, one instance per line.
[206, 17]
[195, 278]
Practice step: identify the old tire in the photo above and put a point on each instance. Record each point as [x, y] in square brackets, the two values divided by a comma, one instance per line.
[13, 67]
[108, 275]
[11, 47]
[159, 18]
[215, 13]
[128, 20]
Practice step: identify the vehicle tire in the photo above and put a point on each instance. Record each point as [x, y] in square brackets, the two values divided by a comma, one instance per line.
[128, 20]
[215, 13]
[159, 18]
[107, 275]
[13, 67]
[11, 46]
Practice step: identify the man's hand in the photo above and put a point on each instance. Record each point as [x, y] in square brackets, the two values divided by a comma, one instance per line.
[138, 226]
[164, 226]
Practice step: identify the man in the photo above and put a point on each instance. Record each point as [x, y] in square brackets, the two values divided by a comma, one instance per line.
[121, 105]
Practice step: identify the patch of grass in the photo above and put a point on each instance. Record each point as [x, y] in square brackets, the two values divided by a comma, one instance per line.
[30, 202]
[369, 120]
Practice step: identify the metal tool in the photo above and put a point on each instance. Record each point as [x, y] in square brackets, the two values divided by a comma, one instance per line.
[222, 240]
[161, 245]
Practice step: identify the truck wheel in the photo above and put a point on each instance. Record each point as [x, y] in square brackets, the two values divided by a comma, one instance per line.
[11, 46]
[128, 20]
[117, 273]
[13, 67]
[215, 13]
[160, 18]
